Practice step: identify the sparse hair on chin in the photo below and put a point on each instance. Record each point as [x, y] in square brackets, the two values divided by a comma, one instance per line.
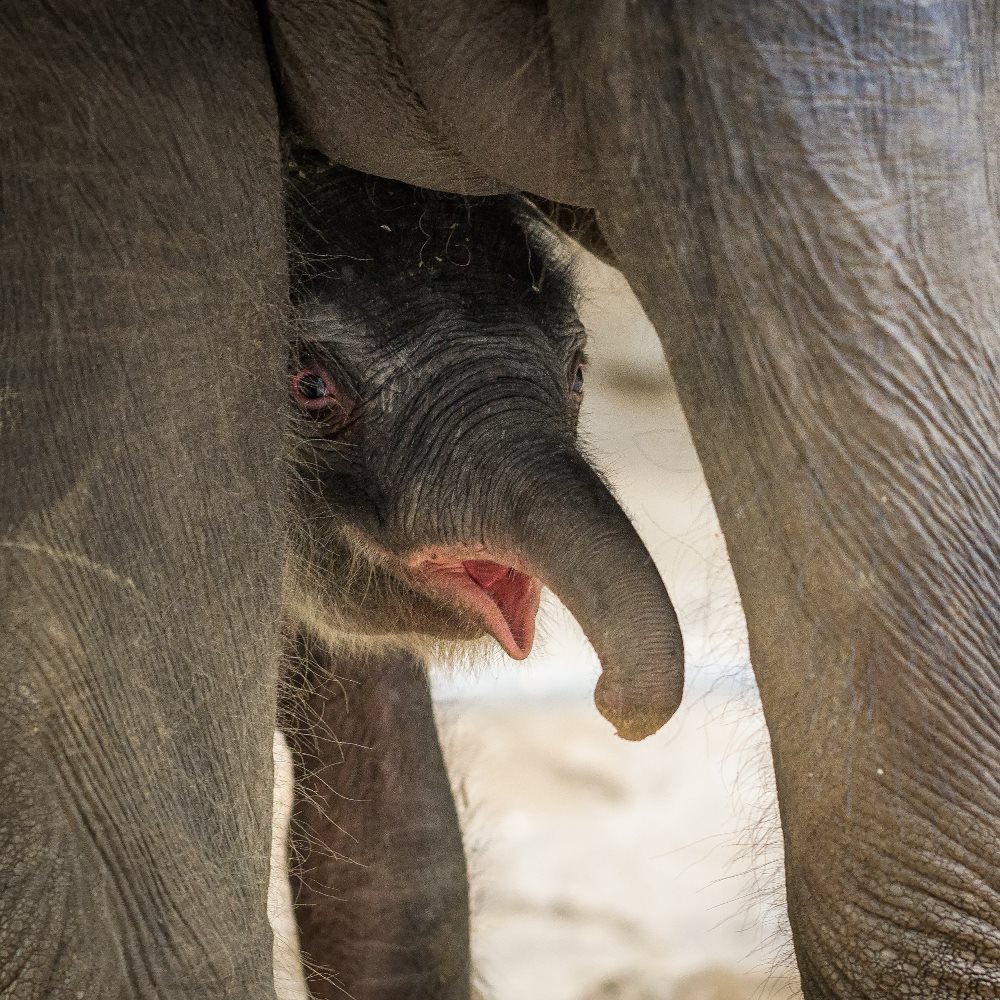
[358, 564]
[466, 656]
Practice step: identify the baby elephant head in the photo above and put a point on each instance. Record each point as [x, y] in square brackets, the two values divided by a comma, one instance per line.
[436, 378]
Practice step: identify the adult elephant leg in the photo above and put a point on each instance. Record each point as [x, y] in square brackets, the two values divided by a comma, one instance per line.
[809, 224]
[377, 866]
[142, 265]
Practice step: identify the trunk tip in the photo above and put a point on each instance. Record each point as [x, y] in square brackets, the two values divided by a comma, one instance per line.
[638, 712]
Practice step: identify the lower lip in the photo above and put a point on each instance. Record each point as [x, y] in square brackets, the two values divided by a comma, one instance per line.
[447, 577]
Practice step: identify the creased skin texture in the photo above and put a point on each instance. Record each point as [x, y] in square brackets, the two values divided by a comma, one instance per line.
[832, 252]
[378, 874]
[142, 257]
[804, 197]
[330, 88]
[388, 97]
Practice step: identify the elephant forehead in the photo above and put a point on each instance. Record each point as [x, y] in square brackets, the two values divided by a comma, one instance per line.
[462, 372]
[434, 346]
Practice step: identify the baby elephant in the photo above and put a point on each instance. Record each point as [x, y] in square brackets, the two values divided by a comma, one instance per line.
[436, 377]
[437, 373]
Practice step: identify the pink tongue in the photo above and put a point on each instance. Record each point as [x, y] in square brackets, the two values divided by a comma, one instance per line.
[515, 595]
[485, 572]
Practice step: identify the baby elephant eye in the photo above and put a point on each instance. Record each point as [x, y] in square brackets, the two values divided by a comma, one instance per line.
[313, 388]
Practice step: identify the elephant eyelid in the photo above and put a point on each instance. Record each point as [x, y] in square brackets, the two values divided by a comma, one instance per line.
[577, 371]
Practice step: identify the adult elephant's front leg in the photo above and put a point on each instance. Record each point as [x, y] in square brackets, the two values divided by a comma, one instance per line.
[140, 430]
[838, 357]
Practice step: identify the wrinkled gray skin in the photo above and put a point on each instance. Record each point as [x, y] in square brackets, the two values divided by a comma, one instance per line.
[377, 867]
[804, 197]
[444, 369]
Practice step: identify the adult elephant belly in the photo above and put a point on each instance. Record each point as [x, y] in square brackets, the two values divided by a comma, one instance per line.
[142, 256]
[803, 199]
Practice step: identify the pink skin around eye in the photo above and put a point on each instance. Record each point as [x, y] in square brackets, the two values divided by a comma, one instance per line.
[305, 383]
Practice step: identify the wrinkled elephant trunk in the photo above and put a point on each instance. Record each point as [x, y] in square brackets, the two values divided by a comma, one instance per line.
[581, 545]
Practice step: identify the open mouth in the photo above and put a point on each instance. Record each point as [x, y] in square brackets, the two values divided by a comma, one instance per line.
[501, 598]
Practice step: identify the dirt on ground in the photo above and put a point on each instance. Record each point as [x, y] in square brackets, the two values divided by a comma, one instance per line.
[604, 870]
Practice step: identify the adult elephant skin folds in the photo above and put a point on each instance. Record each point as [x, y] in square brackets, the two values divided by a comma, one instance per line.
[836, 353]
[142, 258]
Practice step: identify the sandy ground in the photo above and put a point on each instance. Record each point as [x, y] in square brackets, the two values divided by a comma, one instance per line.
[604, 870]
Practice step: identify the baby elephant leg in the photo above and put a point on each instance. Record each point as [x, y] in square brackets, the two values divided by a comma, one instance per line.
[377, 866]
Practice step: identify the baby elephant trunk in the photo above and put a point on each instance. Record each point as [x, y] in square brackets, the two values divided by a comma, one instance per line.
[580, 543]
